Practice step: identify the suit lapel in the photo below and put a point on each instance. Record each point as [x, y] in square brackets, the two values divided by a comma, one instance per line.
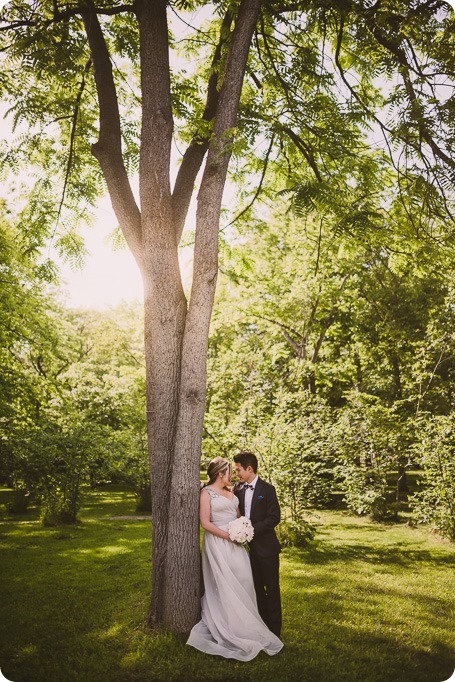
[257, 490]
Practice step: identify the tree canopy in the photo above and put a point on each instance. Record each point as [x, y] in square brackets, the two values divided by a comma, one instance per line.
[334, 93]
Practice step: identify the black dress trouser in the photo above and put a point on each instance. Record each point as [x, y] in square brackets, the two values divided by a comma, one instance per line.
[266, 577]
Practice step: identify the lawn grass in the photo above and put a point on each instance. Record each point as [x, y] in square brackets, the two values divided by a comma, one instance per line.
[366, 602]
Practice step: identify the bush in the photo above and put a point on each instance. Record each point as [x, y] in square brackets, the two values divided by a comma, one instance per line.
[59, 504]
[295, 454]
[144, 497]
[293, 534]
[368, 441]
[435, 504]
[364, 491]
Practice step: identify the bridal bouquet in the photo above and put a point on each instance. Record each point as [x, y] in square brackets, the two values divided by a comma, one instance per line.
[241, 530]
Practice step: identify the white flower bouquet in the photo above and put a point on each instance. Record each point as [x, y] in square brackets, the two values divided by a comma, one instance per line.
[241, 530]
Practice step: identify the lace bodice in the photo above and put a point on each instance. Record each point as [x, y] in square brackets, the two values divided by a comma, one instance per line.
[222, 510]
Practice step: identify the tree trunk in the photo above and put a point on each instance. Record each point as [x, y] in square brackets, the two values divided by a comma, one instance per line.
[394, 361]
[165, 302]
[358, 372]
[163, 339]
[402, 485]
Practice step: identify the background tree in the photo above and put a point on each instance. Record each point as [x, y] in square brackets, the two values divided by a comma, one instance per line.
[359, 339]
[72, 391]
[434, 504]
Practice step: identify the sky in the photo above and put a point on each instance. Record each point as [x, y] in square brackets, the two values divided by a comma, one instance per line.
[108, 276]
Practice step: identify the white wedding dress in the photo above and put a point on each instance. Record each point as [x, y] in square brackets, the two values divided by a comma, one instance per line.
[230, 625]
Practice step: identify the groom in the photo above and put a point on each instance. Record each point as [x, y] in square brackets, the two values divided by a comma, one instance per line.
[259, 503]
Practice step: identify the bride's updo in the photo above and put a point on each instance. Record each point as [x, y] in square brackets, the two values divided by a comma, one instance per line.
[216, 467]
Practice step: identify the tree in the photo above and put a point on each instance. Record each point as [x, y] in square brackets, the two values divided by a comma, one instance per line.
[378, 346]
[73, 395]
[292, 99]
[32, 346]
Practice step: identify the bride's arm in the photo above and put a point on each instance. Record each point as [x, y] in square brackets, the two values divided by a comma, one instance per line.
[204, 517]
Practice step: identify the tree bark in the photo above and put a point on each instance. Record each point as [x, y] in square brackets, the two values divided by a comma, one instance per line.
[108, 149]
[165, 302]
[402, 485]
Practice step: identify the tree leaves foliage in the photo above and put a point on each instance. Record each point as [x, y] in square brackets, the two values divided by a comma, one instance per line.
[344, 89]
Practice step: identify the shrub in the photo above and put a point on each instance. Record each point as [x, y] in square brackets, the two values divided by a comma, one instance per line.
[295, 534]
[19, 501]
[293, 454]
[59, 497]
[435, 504]
[144, 497]
[368, 440]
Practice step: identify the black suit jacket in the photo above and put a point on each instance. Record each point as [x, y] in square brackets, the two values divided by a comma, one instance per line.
[265, 515]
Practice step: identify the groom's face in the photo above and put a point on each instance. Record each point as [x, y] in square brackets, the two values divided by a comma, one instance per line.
[243, 475]
[240, 471]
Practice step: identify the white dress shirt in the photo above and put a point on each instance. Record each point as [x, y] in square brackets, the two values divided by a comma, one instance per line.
[249, 497]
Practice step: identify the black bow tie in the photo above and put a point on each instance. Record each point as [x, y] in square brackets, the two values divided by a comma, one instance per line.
[247, 485]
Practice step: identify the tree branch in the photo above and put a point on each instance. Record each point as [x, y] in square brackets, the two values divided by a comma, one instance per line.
[157, 119]
[194, 155]
[108, 149]
[258, 189]
[416, 106]
[348, 85]
[303, 147]
[64, 15]
[298, 346]
[400, 55]
[282, 326]
[72, 138]
[328, 321]
[226, 115]
[214, 177]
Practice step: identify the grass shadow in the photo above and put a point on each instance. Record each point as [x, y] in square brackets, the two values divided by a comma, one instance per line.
[359, 604]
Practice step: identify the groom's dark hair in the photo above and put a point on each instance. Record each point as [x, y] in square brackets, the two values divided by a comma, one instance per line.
[247, 459]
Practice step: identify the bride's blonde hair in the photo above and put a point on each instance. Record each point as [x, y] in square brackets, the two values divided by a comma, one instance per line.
[216, 467]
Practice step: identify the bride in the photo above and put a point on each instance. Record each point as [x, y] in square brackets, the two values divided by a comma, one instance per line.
[230, 625]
